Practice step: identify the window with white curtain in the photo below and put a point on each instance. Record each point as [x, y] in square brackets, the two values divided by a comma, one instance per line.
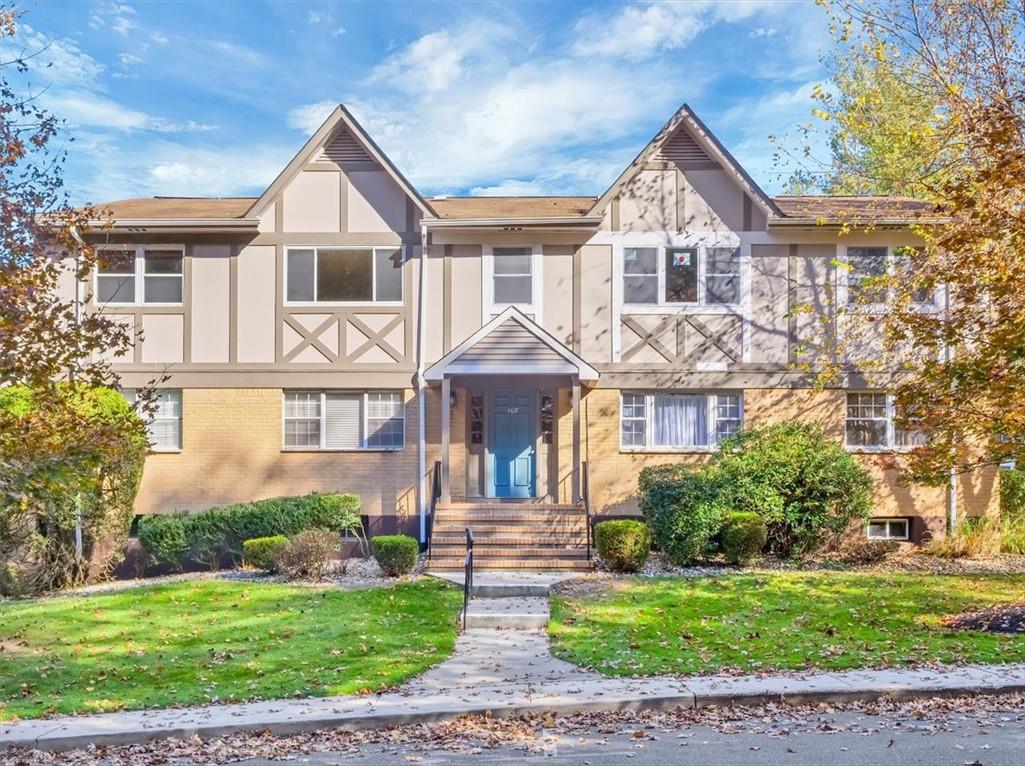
[512, 276]
[343, 420]
[668, 421]
[871, 423]
[670, 276]
[164, 423]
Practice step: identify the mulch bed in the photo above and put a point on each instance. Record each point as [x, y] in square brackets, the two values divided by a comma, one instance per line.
[998, 619]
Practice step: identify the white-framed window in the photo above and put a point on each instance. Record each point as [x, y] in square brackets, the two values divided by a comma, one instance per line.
[512, 277]
[150, 274]
[870, 423]
[861, 278]
[667, 421]
[343, 274]
[164, 423]
[681, 276]
[888, 529]
[343, 420]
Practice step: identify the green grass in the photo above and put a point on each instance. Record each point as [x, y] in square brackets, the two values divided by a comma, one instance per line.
[215, 640]
[776, 621]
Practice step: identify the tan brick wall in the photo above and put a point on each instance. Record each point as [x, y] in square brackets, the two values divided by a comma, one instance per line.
[231, 452]
[614, 472]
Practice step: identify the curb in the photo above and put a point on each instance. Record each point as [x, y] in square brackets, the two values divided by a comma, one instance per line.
[53, 740]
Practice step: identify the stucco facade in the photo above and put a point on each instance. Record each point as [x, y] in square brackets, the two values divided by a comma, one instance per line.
[342, 279]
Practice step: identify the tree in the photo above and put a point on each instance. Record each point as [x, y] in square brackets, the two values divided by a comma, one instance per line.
[930, 100]
[49, 347]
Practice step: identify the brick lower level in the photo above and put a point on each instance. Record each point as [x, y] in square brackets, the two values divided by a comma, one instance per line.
[232, 451]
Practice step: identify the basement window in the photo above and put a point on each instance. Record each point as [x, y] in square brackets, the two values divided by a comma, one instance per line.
[888, 529]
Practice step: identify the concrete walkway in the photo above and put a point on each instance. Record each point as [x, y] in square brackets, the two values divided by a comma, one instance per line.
[504, 673]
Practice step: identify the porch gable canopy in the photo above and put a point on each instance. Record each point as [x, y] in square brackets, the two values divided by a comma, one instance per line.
[511, 344]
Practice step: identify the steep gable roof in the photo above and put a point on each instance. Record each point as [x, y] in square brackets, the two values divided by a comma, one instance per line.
[340, 139]
[686, 140]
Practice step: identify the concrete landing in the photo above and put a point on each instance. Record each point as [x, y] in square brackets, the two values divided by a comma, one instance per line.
[507, 613]
[501, 583]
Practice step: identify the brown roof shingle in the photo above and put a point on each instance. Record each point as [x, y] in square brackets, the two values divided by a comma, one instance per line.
[510, 207]
[174, 208]
[866, 208]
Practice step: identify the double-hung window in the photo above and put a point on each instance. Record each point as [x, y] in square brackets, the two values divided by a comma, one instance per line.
[164, 421]
[140, 274]
[668, 421]
[342, 420]
[512, 277]
[871, 423]
[343, 275]
[867, 274]
[680, 276]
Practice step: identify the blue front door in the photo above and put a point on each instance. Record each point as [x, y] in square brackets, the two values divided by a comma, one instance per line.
[512, 434]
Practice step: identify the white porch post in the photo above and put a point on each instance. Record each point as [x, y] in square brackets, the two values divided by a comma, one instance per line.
[446, 417]
[576, 439]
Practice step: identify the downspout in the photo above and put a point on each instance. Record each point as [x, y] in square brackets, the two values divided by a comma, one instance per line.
[421, 442]
[952, 485]
[79, 547]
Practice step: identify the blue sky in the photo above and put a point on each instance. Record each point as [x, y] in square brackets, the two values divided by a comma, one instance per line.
[214, 98]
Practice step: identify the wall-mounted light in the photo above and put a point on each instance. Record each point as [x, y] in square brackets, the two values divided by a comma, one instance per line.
[452, 397]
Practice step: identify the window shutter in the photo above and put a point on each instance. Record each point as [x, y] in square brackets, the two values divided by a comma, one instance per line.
[343, 421]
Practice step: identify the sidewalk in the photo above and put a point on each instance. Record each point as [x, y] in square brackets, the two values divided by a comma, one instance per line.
[507, 672]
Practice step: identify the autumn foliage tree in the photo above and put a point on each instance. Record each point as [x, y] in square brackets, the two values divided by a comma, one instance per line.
[69, 455]
[930, 102]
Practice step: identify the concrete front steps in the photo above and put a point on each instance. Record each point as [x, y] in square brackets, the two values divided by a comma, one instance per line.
[510, 536]
[507, 613]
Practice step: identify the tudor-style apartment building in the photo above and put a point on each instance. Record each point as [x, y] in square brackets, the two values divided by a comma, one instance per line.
[343, 333]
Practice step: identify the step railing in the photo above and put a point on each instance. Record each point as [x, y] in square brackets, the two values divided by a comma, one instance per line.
[585, 491]
[435, 496]
[467, 574]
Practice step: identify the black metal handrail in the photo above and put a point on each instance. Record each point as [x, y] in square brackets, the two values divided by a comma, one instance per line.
[585, 490]
[435, 496]
[467, 574]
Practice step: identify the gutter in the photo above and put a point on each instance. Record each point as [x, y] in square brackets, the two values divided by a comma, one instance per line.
[854, 221]
[171, 224]
[575, 222]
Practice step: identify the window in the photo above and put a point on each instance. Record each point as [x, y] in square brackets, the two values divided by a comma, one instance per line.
[512, 276]
[863, 280]
[870, 423]
[675, 421]
[682, 275]
[337, 420]
[144, 274]
[164, 423]
[888, 529]
[343, 275]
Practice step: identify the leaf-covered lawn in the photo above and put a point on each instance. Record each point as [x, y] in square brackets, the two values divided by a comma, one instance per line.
[215, 640]
[754, 622]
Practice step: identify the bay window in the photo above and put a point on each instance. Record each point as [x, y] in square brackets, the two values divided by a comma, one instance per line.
[343, 275]
[343, 420]
[140, 274]
[671, 276]
[667, 421]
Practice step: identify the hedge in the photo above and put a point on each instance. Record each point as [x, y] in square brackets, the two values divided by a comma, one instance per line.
[743, 536]
[623, 544]
[260, 552]
[217, 535]
[396, 554]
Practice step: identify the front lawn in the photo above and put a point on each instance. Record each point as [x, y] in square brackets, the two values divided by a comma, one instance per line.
[215, 640]
[777, 621]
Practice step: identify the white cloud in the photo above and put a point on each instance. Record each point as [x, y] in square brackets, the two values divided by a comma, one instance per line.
[158, 38]
[119, 17]
[81, 108]
[643, 30]
[309, 117]
[57, 60]
[129, 59]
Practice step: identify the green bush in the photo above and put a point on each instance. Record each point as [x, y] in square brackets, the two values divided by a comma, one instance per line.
[684, 509]
[623, 544]
[307, 556]
[806, 487]
[1012, 494]
[396, 554]
[743, 536]
[72, 456]
[260, 552]
[163, 539]
[217, 534]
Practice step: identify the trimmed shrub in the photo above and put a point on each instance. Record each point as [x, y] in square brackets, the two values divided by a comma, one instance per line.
[396, 554]
[623, 544]
[308, 555]
[1012, 494]
[743, 536]
[260, 552]
[163, 539]
[684, 508]
[216, 535]
[807, 488]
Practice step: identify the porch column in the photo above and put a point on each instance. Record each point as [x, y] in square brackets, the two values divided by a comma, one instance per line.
[446, 418]
[576, 440]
